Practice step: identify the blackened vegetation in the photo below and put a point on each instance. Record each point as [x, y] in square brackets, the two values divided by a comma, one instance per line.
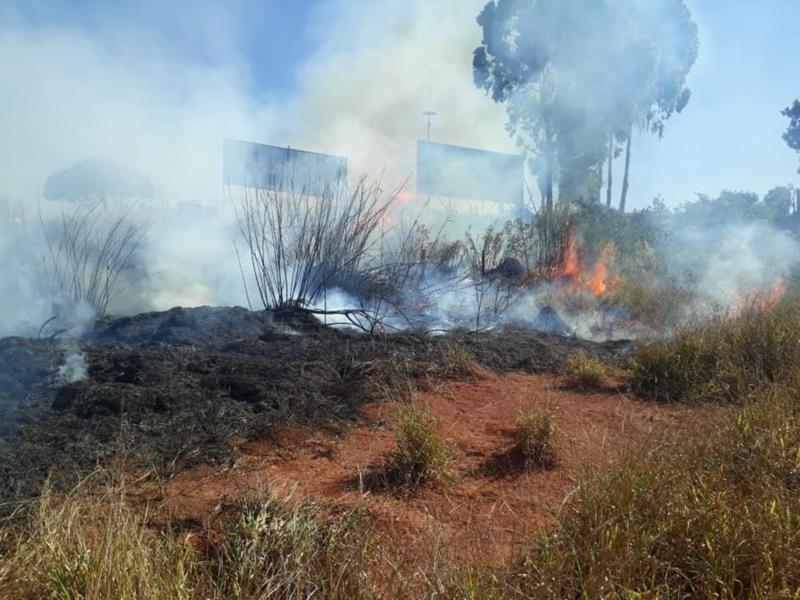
[171, 389]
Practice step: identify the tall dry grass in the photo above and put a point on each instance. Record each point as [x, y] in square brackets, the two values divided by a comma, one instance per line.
[724, 358]
[697, 516]
[92, 544]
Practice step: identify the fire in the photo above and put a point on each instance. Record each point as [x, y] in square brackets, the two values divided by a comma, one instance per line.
[765, 299]
[572, 261]
[568, 272]
[401, 200]
[598, 284]
[573, 275]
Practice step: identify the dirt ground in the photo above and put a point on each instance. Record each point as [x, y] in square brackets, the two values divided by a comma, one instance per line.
[487, 507]
[176, 389]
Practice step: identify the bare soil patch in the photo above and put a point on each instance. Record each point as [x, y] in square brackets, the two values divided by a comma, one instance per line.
[483, 512]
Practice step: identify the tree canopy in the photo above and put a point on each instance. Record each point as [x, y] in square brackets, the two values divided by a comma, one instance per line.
[95, 180]
[792, 134]
[574, 74]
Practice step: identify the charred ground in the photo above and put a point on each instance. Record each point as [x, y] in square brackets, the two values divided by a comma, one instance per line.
[167, 390]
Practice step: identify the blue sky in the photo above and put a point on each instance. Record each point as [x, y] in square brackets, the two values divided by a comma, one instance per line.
[730, 134]
[728, 137]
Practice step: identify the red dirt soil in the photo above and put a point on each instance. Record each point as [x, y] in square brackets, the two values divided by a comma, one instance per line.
[483, 512]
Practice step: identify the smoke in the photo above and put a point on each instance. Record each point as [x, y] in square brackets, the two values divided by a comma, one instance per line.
[101, 83]
[75, 367]
[729, 259]
[377, 66]
[157, 88]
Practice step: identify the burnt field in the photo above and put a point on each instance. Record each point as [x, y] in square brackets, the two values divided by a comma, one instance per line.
[170, 390]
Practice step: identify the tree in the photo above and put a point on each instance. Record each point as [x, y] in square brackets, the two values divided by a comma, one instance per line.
[668, 26]
[92, 180]
[576, 76]
[792, 134]
[780, 201]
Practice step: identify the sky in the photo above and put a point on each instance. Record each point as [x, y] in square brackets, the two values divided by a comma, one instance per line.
[157, 85]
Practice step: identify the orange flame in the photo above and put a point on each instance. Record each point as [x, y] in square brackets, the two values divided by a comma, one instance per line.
[402, 199]
[573, 275]
[765, 299]
[572, 261]
[598, 284]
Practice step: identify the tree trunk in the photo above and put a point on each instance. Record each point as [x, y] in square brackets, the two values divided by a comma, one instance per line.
[624, 196]
[549, 187]
[546, 181]
[610, 183]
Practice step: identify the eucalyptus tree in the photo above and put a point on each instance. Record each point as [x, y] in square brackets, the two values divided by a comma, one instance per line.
[577, 76]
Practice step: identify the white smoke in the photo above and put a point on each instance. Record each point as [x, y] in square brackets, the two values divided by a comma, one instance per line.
[75, 367]
[731, 258]
[105, 90]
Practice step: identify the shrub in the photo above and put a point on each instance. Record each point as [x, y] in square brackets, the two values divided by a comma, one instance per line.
[87, 251]
[723, 359]
[533, 438]
[586, 372]
[421, 455]
[657, 304]
[299, 244]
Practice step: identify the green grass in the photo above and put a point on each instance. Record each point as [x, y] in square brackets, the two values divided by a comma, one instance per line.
[421, 455]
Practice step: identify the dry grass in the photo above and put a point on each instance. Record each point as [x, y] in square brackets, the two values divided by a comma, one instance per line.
[586, 372]
[94, 545]
[702, 516]
[724, 359]
[459, 363]
[712, 512]
[533, 438]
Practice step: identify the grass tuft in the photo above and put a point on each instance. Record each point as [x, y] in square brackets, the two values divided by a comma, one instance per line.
[420, 456]
[586, 372]
[533, 438]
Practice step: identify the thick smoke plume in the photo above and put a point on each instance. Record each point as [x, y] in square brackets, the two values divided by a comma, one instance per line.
[107, 90]
[102, 90]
